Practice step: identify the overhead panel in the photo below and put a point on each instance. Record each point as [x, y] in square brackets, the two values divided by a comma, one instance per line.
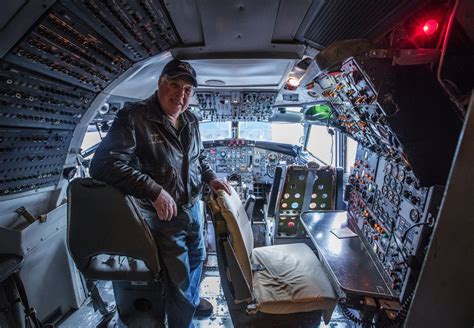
[224, 105]
[62, 46]
[139, 29]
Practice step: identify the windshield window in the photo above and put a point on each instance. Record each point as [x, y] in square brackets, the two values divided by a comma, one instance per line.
[215, 130]
[289, 133]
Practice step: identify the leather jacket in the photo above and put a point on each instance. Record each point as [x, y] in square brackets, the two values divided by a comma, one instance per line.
[141, 155]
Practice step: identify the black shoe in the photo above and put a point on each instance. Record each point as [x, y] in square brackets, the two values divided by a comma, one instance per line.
[204, 309]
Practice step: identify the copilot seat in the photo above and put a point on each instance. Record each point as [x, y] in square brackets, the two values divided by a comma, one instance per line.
[271, 285]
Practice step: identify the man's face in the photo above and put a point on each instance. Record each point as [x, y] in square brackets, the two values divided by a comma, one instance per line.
[174, 94]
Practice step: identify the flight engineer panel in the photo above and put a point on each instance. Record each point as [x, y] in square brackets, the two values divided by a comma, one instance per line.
[406, 137]
[394, 215]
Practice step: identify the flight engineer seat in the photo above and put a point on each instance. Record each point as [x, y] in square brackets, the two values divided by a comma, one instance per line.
[277, 284]
[109, 240]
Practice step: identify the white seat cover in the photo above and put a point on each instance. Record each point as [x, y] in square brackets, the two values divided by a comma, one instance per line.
[292, 280]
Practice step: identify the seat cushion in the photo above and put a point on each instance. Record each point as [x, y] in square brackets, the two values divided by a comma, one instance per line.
[289, 279]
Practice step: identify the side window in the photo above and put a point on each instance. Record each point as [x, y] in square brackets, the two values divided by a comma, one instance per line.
[321, 144]
[91, 138]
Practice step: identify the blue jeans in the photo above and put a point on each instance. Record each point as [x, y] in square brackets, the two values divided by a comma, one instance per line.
[182, 251]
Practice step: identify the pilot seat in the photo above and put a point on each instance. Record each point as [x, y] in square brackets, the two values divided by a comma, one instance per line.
[109, 240]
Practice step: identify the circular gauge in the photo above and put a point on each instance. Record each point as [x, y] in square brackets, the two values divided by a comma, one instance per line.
[376, 209]
[313, 94]
[381, 256]
[272, 157]
[414, 215]
[390, 194]
[396, 200]
[223, 153]
[393, 184]
[388, 168]
[401, 175]
[386, 180]
[385, 190]
[398, 189]
[271, 170]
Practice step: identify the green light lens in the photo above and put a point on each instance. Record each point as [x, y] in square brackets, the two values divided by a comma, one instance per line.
[319, 112]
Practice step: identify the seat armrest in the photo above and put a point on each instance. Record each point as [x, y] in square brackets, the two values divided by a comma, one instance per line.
[249, 206]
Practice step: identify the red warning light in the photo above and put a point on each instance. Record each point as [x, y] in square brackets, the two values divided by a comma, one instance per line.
[430, 27]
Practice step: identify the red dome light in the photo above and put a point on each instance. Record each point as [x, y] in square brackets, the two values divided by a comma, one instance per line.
[430, 27]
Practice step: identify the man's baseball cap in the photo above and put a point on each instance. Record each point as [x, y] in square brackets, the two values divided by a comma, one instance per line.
[176, 68]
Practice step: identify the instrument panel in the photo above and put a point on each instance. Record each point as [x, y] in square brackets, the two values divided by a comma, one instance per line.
[246, 163]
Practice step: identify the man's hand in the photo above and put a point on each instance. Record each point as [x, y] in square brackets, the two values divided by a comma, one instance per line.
[165, 206]
[217, 184]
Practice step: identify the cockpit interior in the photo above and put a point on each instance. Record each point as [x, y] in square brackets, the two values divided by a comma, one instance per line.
[345, 126]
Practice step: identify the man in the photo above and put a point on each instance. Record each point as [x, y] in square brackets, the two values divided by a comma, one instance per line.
[154, 152]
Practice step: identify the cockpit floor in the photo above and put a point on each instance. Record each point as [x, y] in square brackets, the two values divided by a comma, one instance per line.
[211, 289]
[86, 317]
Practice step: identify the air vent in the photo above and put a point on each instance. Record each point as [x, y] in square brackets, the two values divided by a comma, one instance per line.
[341, 20]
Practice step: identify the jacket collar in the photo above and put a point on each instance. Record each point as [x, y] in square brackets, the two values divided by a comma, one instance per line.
[156, 114]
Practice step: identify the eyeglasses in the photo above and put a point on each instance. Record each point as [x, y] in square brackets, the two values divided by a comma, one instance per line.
[175, 85]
